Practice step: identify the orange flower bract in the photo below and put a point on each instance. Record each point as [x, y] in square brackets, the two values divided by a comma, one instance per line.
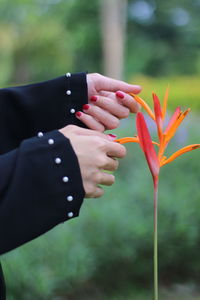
[166, 135]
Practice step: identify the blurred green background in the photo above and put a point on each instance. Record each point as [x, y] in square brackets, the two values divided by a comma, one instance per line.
[106, 253]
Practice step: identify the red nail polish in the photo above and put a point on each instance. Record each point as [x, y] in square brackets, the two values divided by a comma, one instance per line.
[86, 106]
[78, 114]
[113, 135]
[120, 94]
[93, 98]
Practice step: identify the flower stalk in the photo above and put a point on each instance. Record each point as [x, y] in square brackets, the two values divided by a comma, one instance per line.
[155, 244]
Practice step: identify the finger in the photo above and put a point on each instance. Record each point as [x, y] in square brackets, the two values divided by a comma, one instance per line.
[96, 193]
[89, 132]
[115, 149]
[128, 101]
[113, 85]
[90, 122]
[106, 179]
[104, 117]
[111, 105]
[111, 164]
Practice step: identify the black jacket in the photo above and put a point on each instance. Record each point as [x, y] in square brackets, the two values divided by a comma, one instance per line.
[40, 180]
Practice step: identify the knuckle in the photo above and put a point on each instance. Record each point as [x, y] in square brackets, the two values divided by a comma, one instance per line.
[125, 113]
[102, 162]
[112, 179]
[96, 75]
[122, 151]
[116, 165]
[99, 193]
[90, 190]
[98, 178]
[71, 128]
[98, 141]
[114, 124]
[100, 128]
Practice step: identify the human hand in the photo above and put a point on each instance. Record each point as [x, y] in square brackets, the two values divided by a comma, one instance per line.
[108, 102]
[96, 152]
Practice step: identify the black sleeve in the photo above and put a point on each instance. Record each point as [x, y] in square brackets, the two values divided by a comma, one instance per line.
[46, 106]
[40, 180]
[40, 187]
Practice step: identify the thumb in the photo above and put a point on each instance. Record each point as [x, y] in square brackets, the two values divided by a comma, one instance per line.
[112, 85]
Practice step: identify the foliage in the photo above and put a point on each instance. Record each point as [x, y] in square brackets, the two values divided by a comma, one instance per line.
[42, 39]
[183, 90]
[108, 250]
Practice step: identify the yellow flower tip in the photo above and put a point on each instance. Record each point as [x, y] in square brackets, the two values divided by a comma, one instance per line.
[164, 108]
[180, 152]
[127, 140]
[195, 147]
[186, 111]
[144, 105]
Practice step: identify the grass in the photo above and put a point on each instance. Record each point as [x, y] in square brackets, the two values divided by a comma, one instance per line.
[105, 252]
[175, 292]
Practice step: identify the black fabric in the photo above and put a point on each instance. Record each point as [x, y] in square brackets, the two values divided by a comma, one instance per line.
[2, 285]
[33, 187]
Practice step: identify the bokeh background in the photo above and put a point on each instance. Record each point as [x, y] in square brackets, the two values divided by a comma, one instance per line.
[107, 252]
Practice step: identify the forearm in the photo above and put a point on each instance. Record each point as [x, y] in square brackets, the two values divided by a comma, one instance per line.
[45, 106]
[40, 187]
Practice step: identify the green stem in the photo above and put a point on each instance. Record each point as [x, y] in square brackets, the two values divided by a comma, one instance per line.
[155, 238]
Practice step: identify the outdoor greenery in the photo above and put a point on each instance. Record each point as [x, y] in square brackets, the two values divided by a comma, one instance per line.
[106, 253]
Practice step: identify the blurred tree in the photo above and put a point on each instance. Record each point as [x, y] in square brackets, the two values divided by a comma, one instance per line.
[113, 23]
[164, 36]
[40, 39]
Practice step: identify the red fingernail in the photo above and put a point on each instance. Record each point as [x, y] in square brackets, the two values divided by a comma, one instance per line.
[120, 94]
[86, 106]
[93, 98]
[78, 114]
[113, 135]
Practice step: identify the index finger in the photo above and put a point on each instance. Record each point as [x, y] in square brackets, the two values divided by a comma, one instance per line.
[113, 85]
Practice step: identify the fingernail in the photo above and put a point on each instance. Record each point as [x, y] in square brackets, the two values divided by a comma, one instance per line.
[93, 98]
[114, 136]
[86, 107]
[120, 94]
[78, 114]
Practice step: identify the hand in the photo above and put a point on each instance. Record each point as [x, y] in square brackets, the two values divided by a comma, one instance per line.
[109, 102]
[95, 152]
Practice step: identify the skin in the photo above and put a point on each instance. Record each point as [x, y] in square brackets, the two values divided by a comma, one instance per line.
[106, 112]
[96, 151]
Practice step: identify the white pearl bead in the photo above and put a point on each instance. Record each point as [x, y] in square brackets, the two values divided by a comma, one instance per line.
[57, 160]
[72, 110]
[65, 179]
[68, 74]
[40, 134]
[70, 214]
[68, 92]
[70, 198]
[50, 141]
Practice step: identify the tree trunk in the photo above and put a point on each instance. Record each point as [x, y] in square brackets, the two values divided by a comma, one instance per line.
[113, 23]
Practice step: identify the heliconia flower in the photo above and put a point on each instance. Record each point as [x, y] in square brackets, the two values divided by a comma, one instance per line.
[157, 159]
[147, 145]
[164, 135]
[158, 116]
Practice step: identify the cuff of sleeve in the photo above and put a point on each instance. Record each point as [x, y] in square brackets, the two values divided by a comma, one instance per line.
[45, 189]
[76, 96]
[64, 175]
